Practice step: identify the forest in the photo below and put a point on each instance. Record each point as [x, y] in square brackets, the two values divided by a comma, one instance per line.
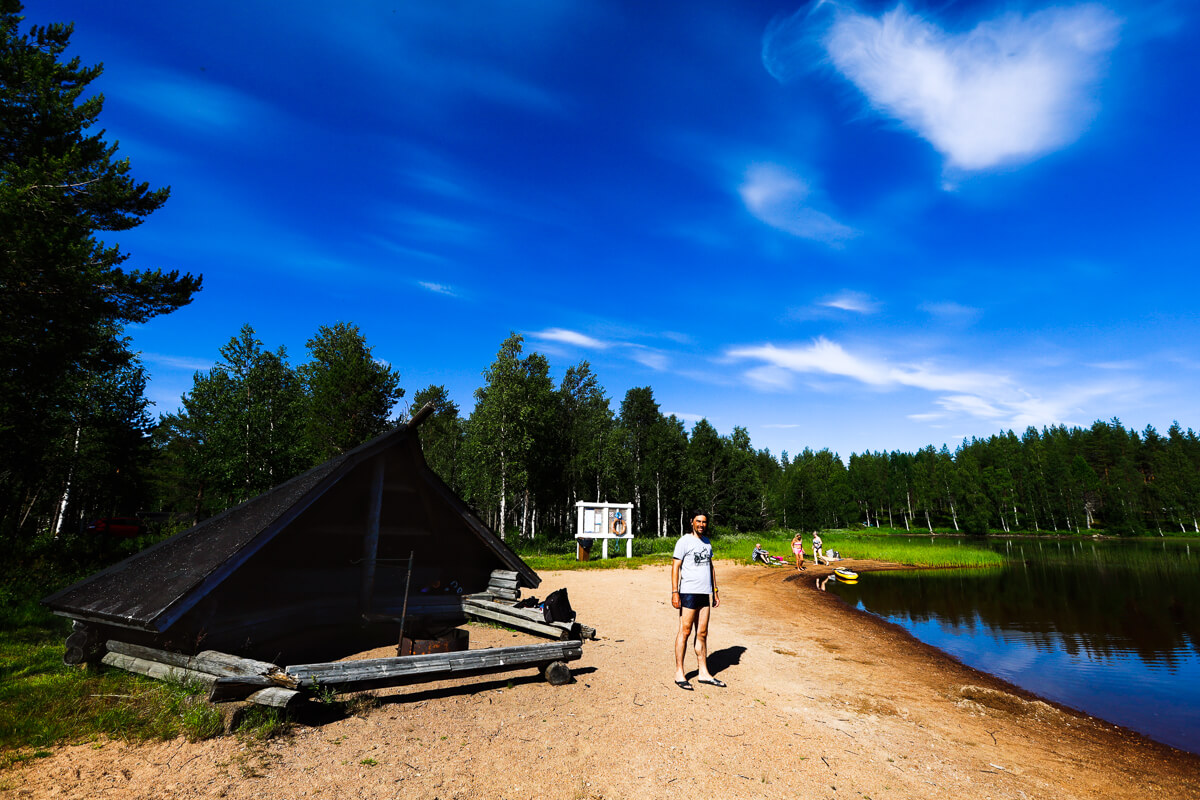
[529, 449]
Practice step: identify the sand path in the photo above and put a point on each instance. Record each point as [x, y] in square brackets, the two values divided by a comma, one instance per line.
[823, 702]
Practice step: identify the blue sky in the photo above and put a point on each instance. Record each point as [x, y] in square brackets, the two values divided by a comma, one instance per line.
[855, 226]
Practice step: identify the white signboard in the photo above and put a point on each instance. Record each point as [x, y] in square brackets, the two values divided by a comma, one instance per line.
[606, 521]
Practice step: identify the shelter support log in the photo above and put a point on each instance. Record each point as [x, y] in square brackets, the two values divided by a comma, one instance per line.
[84, 645]
[227, 677]
[374, 673]
[528, 620]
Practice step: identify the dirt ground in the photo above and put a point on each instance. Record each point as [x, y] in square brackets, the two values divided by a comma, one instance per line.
[822, 702]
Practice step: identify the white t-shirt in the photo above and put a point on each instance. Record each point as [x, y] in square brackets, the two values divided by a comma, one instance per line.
[695, 564]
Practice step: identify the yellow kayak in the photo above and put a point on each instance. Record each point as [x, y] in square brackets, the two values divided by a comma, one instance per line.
[846, 575]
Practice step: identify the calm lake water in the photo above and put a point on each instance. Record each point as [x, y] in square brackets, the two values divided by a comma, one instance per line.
[1110, 628]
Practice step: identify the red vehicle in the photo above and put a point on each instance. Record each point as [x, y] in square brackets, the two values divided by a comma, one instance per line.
[124, 527]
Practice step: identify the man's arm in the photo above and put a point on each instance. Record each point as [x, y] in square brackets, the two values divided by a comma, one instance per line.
[712, 567]
[675, 582]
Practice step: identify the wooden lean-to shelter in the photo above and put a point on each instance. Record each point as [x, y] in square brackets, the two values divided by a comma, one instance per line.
[318, 567]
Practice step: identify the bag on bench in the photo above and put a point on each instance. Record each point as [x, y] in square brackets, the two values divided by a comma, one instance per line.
[557, 608]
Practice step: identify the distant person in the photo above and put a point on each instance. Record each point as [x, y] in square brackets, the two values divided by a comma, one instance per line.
[798, 549]
[759, 554]
[693, 583]
[817, 544]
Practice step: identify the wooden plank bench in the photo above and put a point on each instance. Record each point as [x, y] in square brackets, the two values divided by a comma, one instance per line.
[376, 673]
[227, 677]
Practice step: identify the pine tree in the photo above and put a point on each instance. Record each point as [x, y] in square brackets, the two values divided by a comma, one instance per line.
[64, 295]
[350, 394]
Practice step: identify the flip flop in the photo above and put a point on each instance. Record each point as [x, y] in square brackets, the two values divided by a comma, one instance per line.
[714, 682]
[684, 685]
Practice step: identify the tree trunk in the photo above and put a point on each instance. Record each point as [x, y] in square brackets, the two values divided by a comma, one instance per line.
[61, 514]
[658, 526]
[503, 496]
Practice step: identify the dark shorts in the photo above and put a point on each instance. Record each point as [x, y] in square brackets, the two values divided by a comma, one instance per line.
[693, 601]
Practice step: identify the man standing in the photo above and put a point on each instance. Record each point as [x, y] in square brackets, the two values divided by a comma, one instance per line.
[693, 581]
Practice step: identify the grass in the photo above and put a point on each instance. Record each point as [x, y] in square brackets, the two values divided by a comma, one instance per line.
[914, 551]
[45, 703]
[918, 551]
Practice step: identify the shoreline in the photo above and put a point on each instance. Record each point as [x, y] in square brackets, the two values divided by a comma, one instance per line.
[823, 701]
[865, 566]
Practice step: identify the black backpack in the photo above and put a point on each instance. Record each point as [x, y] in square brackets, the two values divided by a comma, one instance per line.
[557, 607]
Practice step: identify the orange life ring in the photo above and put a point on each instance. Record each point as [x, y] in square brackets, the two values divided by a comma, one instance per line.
[618, 527]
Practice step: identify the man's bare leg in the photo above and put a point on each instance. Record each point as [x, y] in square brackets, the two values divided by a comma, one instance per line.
[686, 618]
[702, 643]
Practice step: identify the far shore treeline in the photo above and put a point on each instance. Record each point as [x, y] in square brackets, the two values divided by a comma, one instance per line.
[530, 449]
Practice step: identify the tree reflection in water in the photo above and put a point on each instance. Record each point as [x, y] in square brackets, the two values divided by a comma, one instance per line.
[1099, 603]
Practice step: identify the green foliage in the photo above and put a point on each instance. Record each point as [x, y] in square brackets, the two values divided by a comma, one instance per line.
[69, 388]
[240, 433]
[350, 395]
[1059, 480]
[442, 435]
[43, 702]
[514, 414]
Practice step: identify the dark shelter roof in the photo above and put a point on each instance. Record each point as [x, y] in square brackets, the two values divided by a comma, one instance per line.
[152, 589]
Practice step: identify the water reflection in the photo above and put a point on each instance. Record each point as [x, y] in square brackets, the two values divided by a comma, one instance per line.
[1109, 627]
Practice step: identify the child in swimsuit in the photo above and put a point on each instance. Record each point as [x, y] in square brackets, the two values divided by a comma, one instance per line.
[798, 549]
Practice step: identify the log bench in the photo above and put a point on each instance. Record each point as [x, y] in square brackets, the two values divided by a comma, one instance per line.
[377, 673]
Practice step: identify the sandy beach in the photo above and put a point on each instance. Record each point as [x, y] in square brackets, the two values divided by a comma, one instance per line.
[822, 702]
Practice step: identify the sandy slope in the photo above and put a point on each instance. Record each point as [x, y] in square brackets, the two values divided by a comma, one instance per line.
[823, 702]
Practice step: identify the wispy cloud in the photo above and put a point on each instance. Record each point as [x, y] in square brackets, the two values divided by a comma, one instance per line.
[1117, 365]
[438, 288]
[852, 301]
[770, 377]
[177, 362]
[647, 357]
[434, 228]
[783, 200]
[830, 358]
[952, 312]
[197, 105]
[1009, 90]
[651, 357]
[992, 396]
[574, 338]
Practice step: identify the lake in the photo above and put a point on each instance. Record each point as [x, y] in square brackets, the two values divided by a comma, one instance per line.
[1107, 627]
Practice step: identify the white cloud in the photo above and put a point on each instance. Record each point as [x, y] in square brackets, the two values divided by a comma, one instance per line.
[782, 200]
[991, 396]
[564, 336]
[1012, 89]
[770, 377]
[852, 301]
[653, 359]
[830, 358]
[437, 288]
[683, 415]
[971, 405]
